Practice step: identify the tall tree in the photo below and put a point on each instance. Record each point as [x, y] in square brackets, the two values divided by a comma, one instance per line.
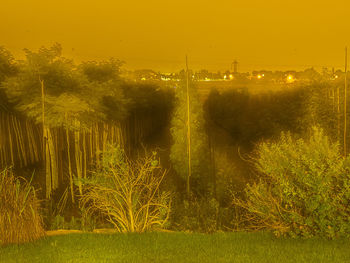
[46, 90]
[8, 66]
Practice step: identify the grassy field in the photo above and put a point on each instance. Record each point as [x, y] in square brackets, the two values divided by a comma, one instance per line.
[177, 247]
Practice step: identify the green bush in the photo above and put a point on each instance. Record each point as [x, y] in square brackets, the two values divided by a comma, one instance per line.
[127, 192]
[304, 188]
[20, 220]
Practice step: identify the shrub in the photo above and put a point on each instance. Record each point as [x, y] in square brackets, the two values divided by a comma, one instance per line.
[127, 192]
[304, 188]
[20, 220]
[229, 176]
[196, 214]
[85, 221]
[203, 215]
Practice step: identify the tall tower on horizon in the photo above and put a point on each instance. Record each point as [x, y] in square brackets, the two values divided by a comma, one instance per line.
[235, 66]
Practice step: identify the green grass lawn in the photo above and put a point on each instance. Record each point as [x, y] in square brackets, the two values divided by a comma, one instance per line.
[177, 247]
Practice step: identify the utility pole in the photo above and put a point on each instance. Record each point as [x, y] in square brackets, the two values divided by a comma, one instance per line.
[46, 158]
[338, 113]
[333, 92]
[188, 132]
[345, 91]
[43, 110]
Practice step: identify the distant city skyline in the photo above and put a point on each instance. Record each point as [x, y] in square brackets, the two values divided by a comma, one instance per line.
[177, 65]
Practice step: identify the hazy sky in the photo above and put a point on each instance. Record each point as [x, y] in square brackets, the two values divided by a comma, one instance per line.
[157, 34]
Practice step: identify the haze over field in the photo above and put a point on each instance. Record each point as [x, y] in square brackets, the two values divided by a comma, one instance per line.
[157, 34]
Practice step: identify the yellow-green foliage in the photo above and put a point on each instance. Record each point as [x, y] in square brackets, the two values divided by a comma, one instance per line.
[20, 220]
[127, 192]
[200, 182]
[304, 188]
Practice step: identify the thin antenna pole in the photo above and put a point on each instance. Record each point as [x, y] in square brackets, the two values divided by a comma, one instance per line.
[345, 95]
[338, 113]
[45, 143]
[188, 132]
[43, 110]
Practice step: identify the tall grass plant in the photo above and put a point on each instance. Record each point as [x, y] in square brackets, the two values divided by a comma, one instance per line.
[20, 219]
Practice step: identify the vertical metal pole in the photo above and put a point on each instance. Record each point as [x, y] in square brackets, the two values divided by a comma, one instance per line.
[43, 111]
[338, 113]
[345, 95]
[188, 132]
[45, 145]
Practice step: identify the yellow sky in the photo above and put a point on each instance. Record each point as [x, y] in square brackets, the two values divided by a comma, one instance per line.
[157, 34]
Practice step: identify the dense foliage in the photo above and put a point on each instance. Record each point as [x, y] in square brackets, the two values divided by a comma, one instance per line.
[249, 118]
[199, 147]
[71, 112]
[91, 91]
[67, 91]
[8, 66]
[304, 188]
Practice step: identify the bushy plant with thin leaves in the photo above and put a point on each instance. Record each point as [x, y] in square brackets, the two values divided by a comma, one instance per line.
[127, 192]
[20, 220]
[304, 188]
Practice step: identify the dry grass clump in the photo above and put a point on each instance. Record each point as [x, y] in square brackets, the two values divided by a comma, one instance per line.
[20, 220]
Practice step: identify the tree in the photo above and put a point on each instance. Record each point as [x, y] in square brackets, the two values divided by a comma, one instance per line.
[51, 90]
[78, 110]
[45, 89]
[59, 79]
[102, 71]
[7, 65]
[8, 68]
